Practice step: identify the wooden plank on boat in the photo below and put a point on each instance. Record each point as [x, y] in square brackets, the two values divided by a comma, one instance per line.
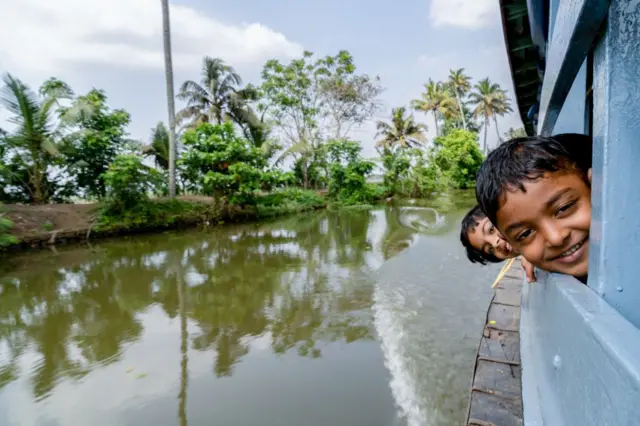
[509, 295]
[496, 388]
[501, 345]
[504, 317]
[487, 409]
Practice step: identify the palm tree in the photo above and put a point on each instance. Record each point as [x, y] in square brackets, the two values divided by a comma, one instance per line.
[403, 131]
[460, 84]
[437, 100]
[515, 133]
[490, 101]
[503, 107]
[159, 146]
[34, 136]
[218, 97]
[168, 67]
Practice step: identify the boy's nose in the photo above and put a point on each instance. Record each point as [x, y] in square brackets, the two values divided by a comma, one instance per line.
[555, 235]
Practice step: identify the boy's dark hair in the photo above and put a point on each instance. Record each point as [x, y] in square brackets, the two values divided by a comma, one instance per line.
[517, 161]
[469, 223]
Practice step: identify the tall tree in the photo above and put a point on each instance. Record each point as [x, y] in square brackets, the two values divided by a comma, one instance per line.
[437, 100]
[350, 99]
[217, 98]
[292, 99]
[402, 131]
[460, 84]
[490, 100]
[515, 133]
[171, 108]
[101, 134]
[503, 107]
[32, 144]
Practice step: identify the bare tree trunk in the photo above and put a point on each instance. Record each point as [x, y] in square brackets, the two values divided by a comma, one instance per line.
[486, 130]
[464, 120]
[168, 65]
[435, 118]
[495, 120]
[36, 179]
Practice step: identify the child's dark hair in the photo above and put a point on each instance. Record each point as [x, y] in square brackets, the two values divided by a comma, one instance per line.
[515, 162]
[469, 223]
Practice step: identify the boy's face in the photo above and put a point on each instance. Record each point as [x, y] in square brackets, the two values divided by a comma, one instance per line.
[486, 238]
[549, 222]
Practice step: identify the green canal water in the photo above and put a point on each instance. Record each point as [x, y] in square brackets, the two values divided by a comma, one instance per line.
[354, 318]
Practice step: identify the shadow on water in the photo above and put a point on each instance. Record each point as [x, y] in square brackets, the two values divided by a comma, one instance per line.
[274, 319]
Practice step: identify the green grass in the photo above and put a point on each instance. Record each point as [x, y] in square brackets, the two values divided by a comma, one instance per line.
[158, 214]
[6, 239]
[288, 201]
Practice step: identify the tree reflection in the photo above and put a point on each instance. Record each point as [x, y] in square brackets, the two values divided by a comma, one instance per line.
[298, 281]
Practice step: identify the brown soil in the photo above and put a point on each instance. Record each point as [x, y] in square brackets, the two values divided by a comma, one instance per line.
[29, 219]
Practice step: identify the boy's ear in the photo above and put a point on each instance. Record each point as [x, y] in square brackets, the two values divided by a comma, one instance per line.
[589, 175]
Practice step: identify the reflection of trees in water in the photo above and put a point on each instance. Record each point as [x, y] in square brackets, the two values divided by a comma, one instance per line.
[294, 280]
[397, 237]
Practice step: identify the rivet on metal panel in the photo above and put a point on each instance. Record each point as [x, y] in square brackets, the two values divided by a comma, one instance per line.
[557, 362]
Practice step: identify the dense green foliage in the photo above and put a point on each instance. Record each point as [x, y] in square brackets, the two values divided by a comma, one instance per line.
[459, 157]
[348, 174]
[100, 137]
[128, 183]
[248, 146]
[218, 162]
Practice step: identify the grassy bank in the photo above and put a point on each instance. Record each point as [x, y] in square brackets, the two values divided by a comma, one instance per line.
[32, 226]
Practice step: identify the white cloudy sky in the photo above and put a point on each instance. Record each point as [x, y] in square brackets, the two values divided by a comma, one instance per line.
[116, 45]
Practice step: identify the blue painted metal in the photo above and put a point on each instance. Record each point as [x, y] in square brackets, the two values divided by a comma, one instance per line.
[580, 358]
[553, 12]
[575, 27]
[572, 113]
[615, 227]
[539, 24]
[581, 344]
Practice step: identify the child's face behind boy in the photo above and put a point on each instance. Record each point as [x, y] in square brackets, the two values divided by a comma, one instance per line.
[548, 222]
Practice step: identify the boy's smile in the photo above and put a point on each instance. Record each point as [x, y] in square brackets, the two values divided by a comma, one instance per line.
[549, 222]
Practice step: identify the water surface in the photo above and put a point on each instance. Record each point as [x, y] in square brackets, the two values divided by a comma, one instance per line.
[332, 318]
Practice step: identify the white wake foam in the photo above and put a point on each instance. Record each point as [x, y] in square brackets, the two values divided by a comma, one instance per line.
[387, 308]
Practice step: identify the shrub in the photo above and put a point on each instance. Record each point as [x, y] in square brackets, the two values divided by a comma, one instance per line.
[348, 174]
[459, 157]
[289, 200]
[128, 183]
[220, 163]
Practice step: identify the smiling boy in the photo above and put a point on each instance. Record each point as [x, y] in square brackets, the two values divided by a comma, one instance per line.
[482, 241]
[539, 197]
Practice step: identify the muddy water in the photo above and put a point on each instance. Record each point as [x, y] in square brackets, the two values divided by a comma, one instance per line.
[333, 318]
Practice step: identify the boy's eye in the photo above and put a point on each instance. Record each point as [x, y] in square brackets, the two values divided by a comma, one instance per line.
[490, 251]
[565, 207]
[523, 235]
[492, 229]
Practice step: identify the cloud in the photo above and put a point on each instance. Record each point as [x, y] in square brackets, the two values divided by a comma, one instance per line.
[51, 36]
[471, 14]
